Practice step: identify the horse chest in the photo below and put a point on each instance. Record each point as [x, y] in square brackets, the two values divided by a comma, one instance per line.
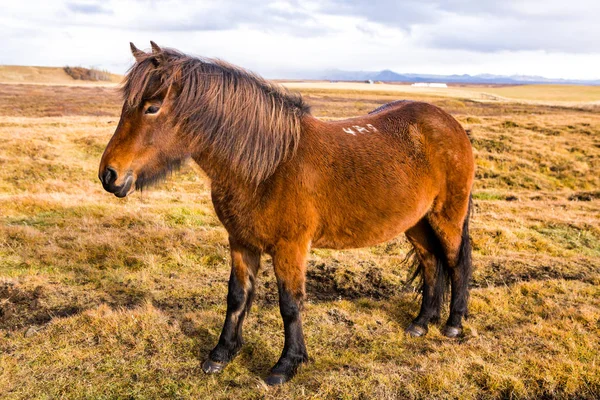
[244, 218]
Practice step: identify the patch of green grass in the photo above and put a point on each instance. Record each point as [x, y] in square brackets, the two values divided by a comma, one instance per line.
[488, 195]
[585, 240]
[182, 216]
[509, 124]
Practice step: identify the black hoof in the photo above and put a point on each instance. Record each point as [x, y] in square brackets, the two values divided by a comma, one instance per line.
[415, 330]
[452, 331]
[212, 367]
[276, 379]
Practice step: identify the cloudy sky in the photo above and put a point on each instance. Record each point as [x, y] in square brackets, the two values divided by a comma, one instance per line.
[556, 39]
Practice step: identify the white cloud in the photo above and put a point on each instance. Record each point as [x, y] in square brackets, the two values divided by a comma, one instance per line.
[548, 38]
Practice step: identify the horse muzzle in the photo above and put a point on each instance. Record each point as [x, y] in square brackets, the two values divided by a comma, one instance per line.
[109, 178]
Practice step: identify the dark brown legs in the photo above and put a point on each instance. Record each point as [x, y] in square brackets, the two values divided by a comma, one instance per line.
[244, 266]
[289, 261]
[443, 249]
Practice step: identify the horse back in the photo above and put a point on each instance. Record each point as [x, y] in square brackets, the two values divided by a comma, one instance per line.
[390, 105]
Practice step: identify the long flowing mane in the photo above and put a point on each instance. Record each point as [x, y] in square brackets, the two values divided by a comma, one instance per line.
[239, 117]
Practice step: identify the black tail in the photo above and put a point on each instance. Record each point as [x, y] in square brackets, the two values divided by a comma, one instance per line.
[464, 263]
[464, 269]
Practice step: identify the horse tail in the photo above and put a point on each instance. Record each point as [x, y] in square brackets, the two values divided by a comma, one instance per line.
[464, 263]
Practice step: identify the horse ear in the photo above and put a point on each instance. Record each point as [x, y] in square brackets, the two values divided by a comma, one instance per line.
[159, 56]
[155, 48]
[137, 53]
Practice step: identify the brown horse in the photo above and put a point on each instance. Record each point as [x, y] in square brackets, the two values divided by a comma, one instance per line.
[284, 181]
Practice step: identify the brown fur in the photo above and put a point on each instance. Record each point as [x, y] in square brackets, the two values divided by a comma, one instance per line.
[284, 181]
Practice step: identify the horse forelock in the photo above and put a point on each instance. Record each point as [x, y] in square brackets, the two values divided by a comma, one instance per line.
[237, 116]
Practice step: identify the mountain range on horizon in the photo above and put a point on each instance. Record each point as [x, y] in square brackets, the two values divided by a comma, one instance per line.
[23, 73]
[391, 76]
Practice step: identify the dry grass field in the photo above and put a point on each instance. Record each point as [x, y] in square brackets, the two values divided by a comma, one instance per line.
[561, 95]
[564, 93]
[49, 75]
[106, 298]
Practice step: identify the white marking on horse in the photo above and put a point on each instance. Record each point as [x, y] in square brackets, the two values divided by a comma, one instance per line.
[360, 129]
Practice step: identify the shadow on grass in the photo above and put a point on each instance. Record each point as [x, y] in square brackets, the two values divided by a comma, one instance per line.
[23, 306]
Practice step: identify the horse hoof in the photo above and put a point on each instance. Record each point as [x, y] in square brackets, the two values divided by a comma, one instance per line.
[415, 330]
[212, 367]
[452, 331]
[276, 379]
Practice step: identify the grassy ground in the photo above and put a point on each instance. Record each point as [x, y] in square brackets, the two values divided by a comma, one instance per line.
[109, 298]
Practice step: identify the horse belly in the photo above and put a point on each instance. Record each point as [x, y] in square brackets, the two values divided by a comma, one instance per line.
[368, 228]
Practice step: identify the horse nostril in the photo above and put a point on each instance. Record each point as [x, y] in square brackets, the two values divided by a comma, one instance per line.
[109, 176]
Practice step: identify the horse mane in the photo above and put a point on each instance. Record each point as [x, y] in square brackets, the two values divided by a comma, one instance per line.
[238, 117]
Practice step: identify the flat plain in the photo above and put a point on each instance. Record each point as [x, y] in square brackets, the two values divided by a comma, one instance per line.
[123, 298]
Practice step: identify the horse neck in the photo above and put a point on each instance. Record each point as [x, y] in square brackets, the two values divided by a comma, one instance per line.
[217, 170]
[221, 171]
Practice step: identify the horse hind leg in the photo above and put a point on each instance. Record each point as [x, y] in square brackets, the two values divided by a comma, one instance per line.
[451, 225]
[429, 256]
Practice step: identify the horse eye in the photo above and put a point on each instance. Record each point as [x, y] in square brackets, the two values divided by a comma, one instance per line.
[152, 110]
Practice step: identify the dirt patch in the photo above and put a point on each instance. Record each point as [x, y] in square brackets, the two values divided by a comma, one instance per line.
[21, 307]
[585, 196]
[509, 271]
[331, 280]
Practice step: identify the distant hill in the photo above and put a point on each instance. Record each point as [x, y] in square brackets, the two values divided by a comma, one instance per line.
[391, 76]
[45, 75]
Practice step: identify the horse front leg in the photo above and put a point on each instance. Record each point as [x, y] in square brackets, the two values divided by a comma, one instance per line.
[245, 263]
[289, 261]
